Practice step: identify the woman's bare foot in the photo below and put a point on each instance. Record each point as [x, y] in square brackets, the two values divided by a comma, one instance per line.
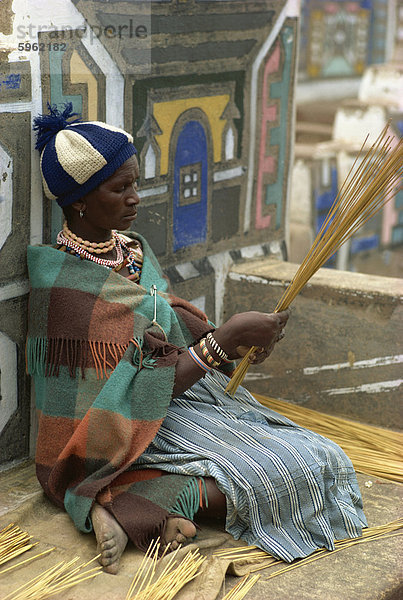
[177, 531]
[111, 539]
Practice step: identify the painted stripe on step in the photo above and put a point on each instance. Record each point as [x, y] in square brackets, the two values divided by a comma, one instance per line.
[381, 361]
[367, 388]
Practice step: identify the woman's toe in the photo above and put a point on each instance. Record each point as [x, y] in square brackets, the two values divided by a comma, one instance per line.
[180, 538]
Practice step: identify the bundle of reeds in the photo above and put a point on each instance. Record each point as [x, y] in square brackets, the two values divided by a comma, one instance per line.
[243, 586]
[368, 186]
[372, 450]
[146, 585]
[251, 552]
[13, 542]
[61, 577]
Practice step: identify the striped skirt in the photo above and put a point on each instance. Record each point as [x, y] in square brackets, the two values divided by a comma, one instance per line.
[289, 491]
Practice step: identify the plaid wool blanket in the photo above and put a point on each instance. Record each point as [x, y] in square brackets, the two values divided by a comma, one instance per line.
[102, 351]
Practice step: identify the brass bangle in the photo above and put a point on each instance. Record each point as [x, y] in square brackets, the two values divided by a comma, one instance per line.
[205, 351]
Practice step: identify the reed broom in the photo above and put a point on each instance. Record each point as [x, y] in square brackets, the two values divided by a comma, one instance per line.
[368, 186]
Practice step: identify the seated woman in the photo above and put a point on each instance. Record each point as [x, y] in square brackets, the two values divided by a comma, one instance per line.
[137, 437]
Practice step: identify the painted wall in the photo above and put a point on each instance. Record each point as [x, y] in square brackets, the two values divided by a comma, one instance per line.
[207, 90]
[339, 40]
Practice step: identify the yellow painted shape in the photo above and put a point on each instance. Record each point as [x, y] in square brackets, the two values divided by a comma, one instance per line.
[313, 70]
[167, 113]
[80, 73]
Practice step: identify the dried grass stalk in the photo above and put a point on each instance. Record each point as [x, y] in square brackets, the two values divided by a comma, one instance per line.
[369, 534]
[61, 577]
[372, 450]
[368, 186]
[243, 586]
[26, 561]
[147, 586]
[13, 542]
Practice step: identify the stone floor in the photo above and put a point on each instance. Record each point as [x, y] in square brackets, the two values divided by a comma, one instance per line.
[364, 572]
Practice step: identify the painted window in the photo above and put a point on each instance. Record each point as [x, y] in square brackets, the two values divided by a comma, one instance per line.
[190, 184]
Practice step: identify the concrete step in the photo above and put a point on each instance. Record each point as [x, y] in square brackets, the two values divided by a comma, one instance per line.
[370, 571]
[342, 350]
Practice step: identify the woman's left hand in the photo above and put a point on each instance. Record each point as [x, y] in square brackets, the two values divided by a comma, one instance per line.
[260, 353]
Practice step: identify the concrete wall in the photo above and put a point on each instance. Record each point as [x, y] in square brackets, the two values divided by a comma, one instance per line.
[342, 350]
[207, 90]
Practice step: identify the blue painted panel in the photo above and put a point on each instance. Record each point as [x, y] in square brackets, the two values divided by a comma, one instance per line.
[190, 220]
[323, 201]
[363, 244]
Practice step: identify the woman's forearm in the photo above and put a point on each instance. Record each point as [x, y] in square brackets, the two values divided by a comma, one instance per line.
[187, 373]
[241, 330]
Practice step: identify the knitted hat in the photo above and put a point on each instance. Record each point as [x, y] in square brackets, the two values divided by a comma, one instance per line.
[77, 156]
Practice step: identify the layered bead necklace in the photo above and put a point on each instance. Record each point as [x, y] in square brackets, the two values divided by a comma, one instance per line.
[132, 258]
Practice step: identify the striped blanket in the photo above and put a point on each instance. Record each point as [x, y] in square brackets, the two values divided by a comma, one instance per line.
[289, 490]
[104, 372]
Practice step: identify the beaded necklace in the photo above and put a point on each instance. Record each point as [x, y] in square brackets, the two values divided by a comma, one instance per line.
[132, 258]
[93, 247]
[63, 240]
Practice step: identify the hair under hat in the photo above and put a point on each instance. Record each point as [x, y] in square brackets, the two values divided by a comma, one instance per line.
[77, 156]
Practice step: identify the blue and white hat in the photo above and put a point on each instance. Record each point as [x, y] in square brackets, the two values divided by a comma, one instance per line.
[78, 156]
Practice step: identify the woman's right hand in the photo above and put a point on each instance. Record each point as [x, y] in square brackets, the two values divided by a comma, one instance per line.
[250, 329]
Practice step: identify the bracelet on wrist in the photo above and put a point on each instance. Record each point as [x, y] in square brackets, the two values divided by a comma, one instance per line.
[206, 353]
[199, 362]
[217, 348]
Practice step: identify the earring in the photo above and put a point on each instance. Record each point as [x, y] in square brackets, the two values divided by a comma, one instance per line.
[81, 213]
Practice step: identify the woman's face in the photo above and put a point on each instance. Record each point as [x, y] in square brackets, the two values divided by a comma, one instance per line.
[113, 204]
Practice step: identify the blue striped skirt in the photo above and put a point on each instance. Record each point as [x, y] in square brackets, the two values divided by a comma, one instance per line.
[289, 491]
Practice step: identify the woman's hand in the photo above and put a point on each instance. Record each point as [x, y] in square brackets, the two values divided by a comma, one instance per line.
[253, 328]
[258, 356]
[235, 337]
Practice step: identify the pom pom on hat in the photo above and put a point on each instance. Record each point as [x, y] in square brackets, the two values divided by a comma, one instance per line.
[76, 155]
[49, 125]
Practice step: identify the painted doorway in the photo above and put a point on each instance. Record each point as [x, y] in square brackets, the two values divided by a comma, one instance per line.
[190, 187]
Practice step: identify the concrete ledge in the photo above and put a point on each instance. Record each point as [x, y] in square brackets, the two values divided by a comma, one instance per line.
[342, 352]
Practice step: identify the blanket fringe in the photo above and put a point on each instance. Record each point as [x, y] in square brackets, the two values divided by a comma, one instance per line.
[44, 356]
[191, 498]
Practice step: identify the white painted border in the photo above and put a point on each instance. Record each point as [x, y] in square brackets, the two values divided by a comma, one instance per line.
[9, 386]
[381, 361]
[14, 290]
[157, 191]
[367, 388]
[228, 174]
